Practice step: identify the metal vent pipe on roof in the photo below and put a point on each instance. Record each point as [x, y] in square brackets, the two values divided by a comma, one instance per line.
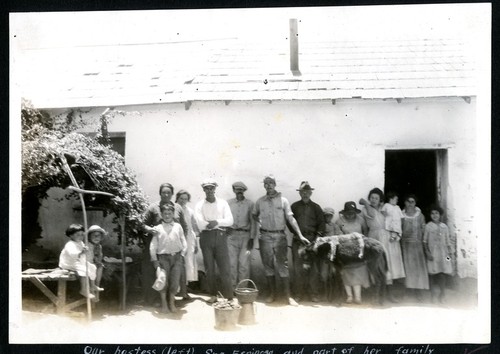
[294, 47]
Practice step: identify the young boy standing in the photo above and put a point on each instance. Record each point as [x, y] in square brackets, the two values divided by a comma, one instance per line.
[167, 248]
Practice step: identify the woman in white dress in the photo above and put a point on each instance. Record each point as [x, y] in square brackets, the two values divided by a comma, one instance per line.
[182, 198]
[375, 221]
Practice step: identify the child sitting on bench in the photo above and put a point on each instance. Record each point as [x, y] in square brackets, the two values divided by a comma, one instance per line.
[74, 257]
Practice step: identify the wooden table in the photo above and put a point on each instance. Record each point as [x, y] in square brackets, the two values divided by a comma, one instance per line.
[62, 276]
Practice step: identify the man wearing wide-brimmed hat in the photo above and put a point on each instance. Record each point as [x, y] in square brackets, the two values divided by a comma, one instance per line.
[213, 216]
[309, 216]
[240, 234]
[272, 212]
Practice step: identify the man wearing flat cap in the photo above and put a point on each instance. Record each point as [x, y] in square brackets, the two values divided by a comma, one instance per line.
[272, 212]
[311, 221]
[240, 234]
[213, 216]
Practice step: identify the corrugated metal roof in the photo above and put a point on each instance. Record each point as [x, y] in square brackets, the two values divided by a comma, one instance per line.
[232, 70]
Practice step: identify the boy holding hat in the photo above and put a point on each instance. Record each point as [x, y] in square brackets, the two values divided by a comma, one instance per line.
[152, 218]
[167, 248]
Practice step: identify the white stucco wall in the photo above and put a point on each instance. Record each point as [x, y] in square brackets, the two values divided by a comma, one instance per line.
[339, 149]
[56, 213]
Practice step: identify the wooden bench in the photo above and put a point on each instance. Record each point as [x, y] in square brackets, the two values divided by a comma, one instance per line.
[62, 276]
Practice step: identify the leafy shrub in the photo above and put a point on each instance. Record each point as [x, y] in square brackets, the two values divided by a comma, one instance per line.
[97, 167]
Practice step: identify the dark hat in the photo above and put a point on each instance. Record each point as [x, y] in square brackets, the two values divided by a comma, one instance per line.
[350, 206]
[305, 186]
[239, 184]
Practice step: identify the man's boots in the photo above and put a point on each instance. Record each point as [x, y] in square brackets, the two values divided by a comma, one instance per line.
[271, 285]
[286, 289]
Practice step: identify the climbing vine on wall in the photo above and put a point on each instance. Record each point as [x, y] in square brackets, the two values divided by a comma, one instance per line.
[96, 167]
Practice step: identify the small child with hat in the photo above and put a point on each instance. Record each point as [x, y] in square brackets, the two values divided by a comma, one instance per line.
[331, 228]
[95, 235]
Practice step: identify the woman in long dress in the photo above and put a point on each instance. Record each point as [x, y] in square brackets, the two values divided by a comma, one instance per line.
[375, 221]
[182, 198]
[413, 226]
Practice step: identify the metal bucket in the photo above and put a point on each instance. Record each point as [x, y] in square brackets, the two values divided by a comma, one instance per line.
[246, 295]
[226, 318]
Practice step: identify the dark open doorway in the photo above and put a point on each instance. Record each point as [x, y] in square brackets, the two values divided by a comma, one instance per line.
[420, 172]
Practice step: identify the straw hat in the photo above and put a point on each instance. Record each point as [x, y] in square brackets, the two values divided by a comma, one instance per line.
[95, 228]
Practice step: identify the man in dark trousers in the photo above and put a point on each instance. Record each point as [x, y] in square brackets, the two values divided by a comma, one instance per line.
[213, 216]
[311, 221]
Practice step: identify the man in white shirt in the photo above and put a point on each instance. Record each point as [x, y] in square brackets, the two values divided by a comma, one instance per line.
[213, 215]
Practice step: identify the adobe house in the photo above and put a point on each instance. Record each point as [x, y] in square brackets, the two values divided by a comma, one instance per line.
[345, 116]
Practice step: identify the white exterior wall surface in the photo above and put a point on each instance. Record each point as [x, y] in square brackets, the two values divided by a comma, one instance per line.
[339, 148]
[56, 213]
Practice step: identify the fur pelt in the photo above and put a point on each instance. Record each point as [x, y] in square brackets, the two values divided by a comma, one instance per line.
[352, 248]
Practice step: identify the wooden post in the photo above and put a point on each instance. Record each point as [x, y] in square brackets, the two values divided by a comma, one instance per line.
[294, 47]
[124, 264]
[81, 192]
[61, 296]
[86, 240]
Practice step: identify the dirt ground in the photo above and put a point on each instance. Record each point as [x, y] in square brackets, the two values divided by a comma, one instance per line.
[460, 319]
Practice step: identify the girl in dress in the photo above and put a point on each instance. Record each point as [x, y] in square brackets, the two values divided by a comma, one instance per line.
[438, 252]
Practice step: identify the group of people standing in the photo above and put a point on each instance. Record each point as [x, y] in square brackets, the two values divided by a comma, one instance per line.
[227, 231]
[418, 252]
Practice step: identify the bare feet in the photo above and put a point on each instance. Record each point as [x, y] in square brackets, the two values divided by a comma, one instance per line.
[87, 295]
